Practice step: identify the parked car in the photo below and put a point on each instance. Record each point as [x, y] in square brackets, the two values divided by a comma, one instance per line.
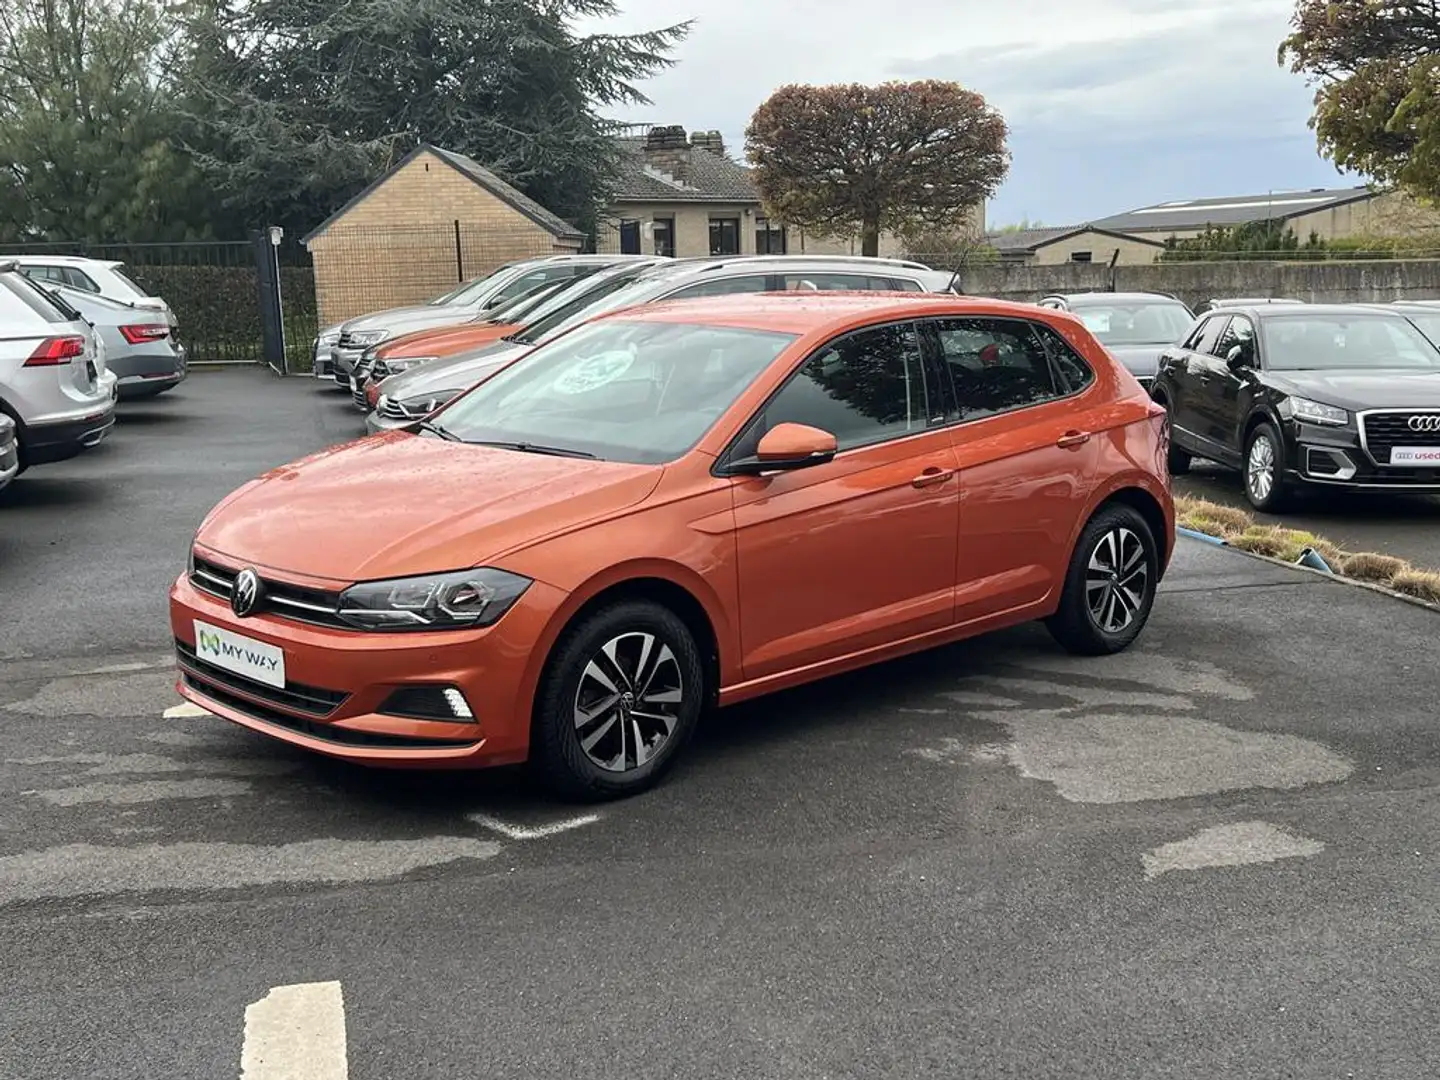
[9, 451]
[506, 284]
[53, 385]
[401, 399]
[476, 330]
[423, 346]
[100, 277]
[1135, 327]
[675, 507]
[138, 345]
[1211, 305]
[1306, 397]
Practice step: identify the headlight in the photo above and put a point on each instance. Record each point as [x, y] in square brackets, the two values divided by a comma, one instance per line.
[327, 337]
[383, 369]
[465, 598]
[425, 404]
[367, 337]
[1313, 412]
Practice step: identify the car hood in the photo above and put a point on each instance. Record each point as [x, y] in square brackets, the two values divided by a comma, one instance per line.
[401, 320]
[445, 340]
[1362, 389]
[399, 504]
[1141, 360]
[453, 372]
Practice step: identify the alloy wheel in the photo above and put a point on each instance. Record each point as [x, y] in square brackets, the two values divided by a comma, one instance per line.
[1260, 468]
[629, 701]
[1117, 580]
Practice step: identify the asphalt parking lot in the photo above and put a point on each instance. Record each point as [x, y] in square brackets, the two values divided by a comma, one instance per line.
[1211, 856]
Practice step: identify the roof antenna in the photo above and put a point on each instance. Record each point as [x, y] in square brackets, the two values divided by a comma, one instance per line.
[954, 285]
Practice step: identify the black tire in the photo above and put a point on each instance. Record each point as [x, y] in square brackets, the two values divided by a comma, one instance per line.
[1086, 628]
[19, 437]
[1277, 497]
[672, 661]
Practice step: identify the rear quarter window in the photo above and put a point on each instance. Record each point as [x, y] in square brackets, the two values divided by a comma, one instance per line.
[1074, 373]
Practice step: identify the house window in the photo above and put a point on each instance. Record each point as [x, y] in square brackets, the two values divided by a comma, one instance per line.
[769, 239]
[1079, 256]
[724, 236]
[629, 238]
[663, 236]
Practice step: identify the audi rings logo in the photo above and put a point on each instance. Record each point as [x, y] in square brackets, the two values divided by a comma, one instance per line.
[1430, 423]
[245, 594]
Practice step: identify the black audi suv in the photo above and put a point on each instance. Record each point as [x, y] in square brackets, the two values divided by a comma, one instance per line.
[1306, 396]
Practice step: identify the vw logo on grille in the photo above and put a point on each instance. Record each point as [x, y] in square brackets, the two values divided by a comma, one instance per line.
[246, 593]
[1430, 422]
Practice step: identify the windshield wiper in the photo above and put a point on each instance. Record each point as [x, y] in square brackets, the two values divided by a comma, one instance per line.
[533, 448]
[519, 338]
[436, 429]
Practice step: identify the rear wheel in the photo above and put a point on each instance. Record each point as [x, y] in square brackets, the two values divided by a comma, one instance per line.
[1110, 586]
[621, 696]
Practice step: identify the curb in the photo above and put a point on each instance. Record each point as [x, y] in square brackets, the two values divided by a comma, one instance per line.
[1334, 579]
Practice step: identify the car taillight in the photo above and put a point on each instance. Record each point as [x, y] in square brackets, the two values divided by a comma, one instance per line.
[57, 350]
[138, 335]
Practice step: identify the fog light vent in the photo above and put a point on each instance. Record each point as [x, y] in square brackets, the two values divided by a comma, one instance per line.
[444, 703]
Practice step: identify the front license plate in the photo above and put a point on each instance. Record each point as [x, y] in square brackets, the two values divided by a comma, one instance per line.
[1415, 455]
[240, 655]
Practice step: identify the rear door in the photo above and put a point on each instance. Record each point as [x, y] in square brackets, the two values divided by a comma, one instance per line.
[1027, 452]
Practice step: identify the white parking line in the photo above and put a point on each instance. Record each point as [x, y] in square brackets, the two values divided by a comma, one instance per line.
[184, 709]
[296, 1033]
[531, 832]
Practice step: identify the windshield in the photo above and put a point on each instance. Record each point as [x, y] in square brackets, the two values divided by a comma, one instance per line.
[520, 308]
[638, 392]
[565, 310]
[1429, 324]
[1144, 323]
[1327, 342]
[122, 272]
[469, 291]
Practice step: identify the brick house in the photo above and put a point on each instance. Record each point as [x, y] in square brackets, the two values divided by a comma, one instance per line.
[685, 196]
[432, 220]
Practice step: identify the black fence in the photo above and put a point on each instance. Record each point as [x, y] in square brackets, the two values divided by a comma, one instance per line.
[213, 286]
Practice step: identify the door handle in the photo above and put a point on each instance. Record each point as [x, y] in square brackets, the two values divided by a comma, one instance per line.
[1072, 438]
[932, 476]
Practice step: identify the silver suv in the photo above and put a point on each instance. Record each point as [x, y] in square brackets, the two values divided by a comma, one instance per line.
[53, 384]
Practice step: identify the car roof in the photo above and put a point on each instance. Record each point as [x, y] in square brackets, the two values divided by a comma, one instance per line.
[1269, 310]
[699, 269]
[59, 260]
[1102, 296]
[808, 312]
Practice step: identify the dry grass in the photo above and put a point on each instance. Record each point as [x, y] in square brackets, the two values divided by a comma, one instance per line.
[1277, 542]
[1378, 569]
[1421, 584]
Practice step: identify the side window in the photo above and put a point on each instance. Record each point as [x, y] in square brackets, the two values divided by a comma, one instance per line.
[996, 365]
[864, 388]
[905, 285]
[827, 282]
[1072, 368]
[723, 287]
[1240, 332]
[1206, 336]
[79, 279]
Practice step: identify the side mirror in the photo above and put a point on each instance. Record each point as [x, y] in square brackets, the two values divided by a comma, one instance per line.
[1235, 358]
[786, 447]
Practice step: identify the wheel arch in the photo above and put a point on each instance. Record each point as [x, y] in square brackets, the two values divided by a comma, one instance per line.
[1144, 494]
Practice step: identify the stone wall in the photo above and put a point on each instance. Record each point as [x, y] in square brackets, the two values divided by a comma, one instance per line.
[1195, 282]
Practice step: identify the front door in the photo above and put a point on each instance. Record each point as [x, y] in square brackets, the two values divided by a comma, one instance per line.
[1230, 388]
[859, 552]
[1027, 458]
[1191, 385]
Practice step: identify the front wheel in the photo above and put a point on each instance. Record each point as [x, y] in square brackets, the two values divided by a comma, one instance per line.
[1265, 470]
[1110, 586]
[621, 696]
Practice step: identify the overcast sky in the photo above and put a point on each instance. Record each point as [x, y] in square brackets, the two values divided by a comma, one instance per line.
[1112, 104]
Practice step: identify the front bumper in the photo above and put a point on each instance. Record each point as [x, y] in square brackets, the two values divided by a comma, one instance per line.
[337, 682]
[1328, 457]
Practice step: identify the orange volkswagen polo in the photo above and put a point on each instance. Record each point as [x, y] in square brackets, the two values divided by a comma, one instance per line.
[676, 507]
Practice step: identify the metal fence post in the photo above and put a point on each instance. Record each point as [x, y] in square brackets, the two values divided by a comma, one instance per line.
[272, 318]
[459, 254]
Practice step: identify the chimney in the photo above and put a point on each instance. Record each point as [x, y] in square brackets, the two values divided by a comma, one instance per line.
[667, 149]
[712, 141]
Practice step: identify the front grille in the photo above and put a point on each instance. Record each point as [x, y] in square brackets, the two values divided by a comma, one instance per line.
[315, 730]
[296, 697]
[313, 606]
[390, 409]
[1385, 431]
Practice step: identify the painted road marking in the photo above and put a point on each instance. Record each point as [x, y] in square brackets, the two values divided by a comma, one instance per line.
[183, 710]
[531, 832]
[296, 1032]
